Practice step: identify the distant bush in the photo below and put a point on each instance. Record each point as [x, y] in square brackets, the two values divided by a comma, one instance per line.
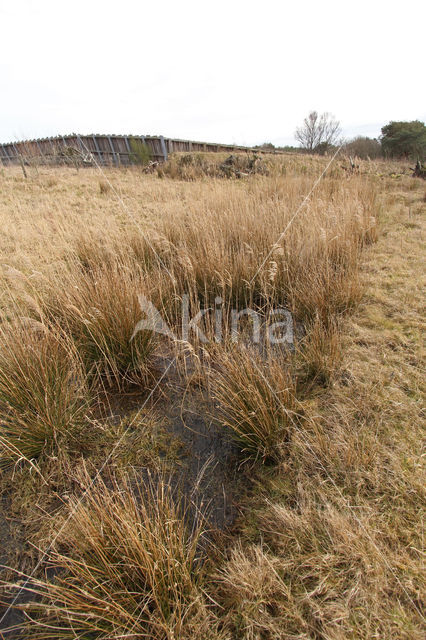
[266, 146]
[364, 147]
[290, 149]
[271, 148]
[141, 153]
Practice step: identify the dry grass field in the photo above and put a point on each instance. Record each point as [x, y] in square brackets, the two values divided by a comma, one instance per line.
[203, 484]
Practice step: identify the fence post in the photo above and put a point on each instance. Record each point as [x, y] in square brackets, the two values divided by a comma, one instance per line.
[129, 151]
[6, 155]
[17, 154]
[113, 151]
[98, 151]
[163, 148]
[40, 151]
[81, 144]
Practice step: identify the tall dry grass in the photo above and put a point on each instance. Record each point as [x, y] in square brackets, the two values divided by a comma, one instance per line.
[45, 399]
[256, 400]
[98, 307]
[128, 563]
[206, 239]
[335, 549]
[218, 247]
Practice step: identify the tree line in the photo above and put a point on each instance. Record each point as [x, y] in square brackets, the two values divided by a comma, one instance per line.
[321, 133]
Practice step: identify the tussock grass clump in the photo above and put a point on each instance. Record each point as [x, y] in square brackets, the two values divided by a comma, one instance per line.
[99, 308]
[130, 566]
[94, 301]
[44, 397]
[104, 187]
[256, 400]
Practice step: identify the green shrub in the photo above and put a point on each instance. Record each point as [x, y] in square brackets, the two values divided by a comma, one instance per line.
[140, 152]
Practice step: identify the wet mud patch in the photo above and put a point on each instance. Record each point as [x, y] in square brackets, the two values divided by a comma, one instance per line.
[207, 471]
[200, 458]
[204, 463]
[11, 545]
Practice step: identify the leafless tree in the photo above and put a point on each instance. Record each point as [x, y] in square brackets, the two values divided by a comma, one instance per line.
[318, 132]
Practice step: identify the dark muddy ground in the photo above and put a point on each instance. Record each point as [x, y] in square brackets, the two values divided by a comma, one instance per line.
[10, 544]
[205, 472]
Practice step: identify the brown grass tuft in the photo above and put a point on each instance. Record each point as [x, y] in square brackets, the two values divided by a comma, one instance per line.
[44, 396]
[130, 566]
[256, 400]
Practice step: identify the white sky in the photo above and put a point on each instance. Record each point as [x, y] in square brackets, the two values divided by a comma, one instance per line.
[222, 71]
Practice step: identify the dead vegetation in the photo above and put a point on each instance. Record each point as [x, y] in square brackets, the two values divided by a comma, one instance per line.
[191, 166]
[328, 542]
[335, 549]
[128, 563]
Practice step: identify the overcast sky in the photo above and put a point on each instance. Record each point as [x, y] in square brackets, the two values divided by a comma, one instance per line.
[223, 71]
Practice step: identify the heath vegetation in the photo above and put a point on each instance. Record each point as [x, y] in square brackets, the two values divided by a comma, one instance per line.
[326, 540]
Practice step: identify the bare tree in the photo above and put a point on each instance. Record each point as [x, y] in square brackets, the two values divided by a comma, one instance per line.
[318, 132]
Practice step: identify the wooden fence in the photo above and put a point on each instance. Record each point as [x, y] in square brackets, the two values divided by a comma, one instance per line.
[101, 149]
